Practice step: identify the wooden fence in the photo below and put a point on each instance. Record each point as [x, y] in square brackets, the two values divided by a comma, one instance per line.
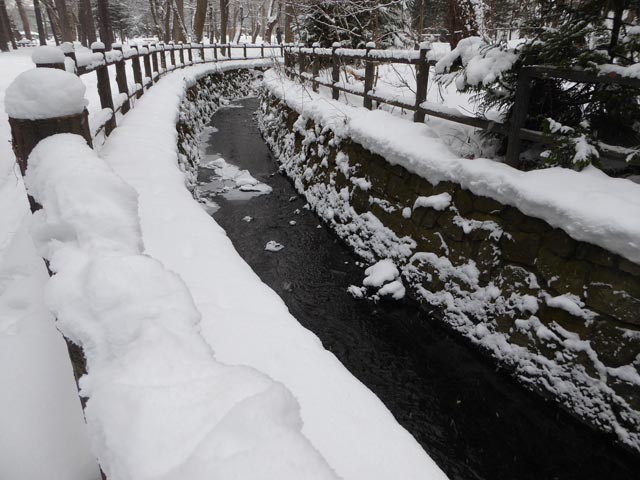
[148, 62]
[299, 60]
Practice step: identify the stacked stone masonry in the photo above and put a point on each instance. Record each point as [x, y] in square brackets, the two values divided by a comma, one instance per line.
[562, 315]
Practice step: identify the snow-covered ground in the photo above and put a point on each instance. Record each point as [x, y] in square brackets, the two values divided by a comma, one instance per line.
[192, 277]
[589, 205]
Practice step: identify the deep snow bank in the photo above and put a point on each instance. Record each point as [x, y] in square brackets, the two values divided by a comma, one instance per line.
[160, 405]
[244, 321]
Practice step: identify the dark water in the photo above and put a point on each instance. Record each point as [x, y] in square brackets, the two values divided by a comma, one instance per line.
[476, 423]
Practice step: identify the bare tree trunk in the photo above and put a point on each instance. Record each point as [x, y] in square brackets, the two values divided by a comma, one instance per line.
[238, 26]
[224, 20]
[41, 31]
[53, 21]
[24, 19]
[232, 35]
[106, 30]
[153, 7]
[199, 18]
[263, 21]
[64, 21]
[288, 22]
[179, 30]
[86, 22]
[272, 19]
[167, 20]
[5, 34]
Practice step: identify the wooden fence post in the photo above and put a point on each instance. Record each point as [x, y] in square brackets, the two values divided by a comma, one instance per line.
[147, 64]
[181, 48]
[163, 58]
[137, 72]
[315, 67]
[262, 50]
[518, 117]
[244, 49]
[202, 59]
[190, 52]
[69, 52]
[153, 48]
[369, 73]
[422, 82]
[335, 70]
[302, 64]
[121, 79]
[172, 54]
[215, 52]
[104, 88]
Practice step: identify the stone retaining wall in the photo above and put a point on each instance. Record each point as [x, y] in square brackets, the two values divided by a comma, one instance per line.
[562, 315]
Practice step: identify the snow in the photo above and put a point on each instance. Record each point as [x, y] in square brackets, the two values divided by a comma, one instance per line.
[45, 93]
[45, 54]
[273, 246]
[343, 420]
[572, 304]
[439, 202]
[159, 404]
[395, 289]
[380, 273]
[42, 429]
[598, 209]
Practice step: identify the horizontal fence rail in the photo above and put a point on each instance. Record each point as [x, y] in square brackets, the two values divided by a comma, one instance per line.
[305, 64]
[148, 62]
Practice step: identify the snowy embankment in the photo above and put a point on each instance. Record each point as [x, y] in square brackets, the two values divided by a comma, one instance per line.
[588, 205]
[243, 320]
[42, 430]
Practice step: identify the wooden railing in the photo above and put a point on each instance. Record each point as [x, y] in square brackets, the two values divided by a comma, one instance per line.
[149, 62]
[299, 60]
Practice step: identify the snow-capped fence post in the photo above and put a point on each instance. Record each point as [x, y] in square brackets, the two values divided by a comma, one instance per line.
[48, 57]
[518, 117]
[422, 81]
[43, 102]
[172, 54]
[369, 73]
[335, 70]
[181, 47]
[121, 78]
[154, 58]
[69, 52]
[137, 72]
[315, 68]
[147, 63]
[163, 58]
[104, 88]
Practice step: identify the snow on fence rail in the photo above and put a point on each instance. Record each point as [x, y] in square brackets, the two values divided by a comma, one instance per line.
[313, 57]
[148, 62]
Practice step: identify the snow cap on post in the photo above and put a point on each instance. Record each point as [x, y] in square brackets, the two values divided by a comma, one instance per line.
[336, 44]
[47, 56]
[370, 45]
[97, 46]
[44, 93]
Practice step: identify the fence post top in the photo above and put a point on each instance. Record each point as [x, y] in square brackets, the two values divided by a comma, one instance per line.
[335, 45]
[98, 47]
[47, 56]
[67, 47]
[370, 45]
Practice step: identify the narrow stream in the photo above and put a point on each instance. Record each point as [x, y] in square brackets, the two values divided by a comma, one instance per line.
[475, 422]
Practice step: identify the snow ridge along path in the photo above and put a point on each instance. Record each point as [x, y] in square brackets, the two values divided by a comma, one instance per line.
[243, 320]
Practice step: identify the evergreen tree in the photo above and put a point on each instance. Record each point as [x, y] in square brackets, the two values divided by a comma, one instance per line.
[591, 35]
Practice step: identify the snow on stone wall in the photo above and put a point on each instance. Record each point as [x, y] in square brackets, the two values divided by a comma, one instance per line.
[560, 313]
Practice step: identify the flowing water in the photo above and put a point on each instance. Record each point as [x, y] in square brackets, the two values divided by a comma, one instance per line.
[474, 421]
